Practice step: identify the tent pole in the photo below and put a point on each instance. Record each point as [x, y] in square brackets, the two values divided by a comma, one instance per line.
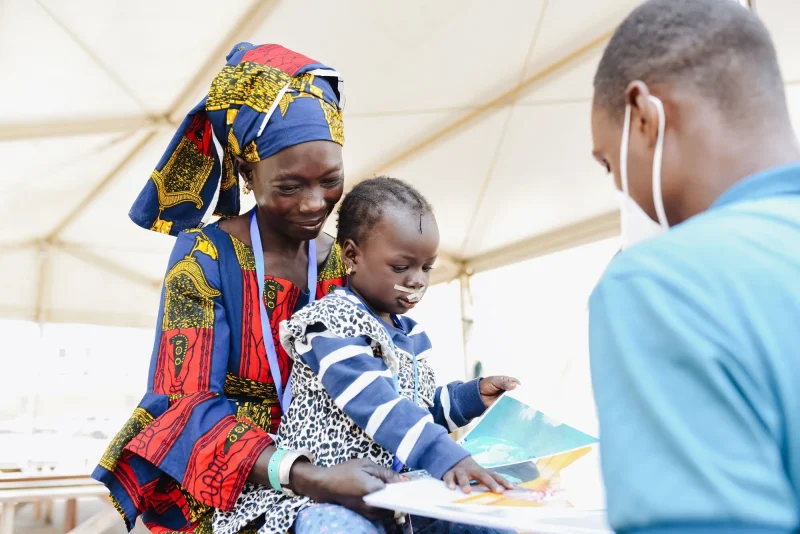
[44, 283]
[466, 320]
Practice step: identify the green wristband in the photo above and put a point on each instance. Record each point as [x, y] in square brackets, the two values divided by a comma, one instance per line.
[272, 469]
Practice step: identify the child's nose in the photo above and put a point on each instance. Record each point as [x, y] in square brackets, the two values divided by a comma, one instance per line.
[416, 281]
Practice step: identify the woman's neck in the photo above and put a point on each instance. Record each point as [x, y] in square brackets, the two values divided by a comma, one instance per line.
[277, 242]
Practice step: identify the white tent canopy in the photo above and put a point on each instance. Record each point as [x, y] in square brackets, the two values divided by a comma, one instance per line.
[482, 105]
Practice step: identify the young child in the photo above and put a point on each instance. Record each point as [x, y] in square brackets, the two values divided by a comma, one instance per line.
[362, 384]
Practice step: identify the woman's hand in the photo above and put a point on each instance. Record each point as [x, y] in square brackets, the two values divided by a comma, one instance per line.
[467, 470]
[492, 387]
[345, 484]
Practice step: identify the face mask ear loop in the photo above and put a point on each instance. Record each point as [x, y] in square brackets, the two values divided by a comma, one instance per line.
[623, 171]
[657, 199]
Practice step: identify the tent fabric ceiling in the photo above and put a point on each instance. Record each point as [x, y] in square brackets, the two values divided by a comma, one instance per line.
[482, 105]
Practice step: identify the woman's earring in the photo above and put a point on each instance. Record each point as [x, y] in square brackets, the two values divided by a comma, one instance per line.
[349, 270]
[246, 189]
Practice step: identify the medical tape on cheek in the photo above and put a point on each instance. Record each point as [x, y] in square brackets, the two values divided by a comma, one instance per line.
[414, 295]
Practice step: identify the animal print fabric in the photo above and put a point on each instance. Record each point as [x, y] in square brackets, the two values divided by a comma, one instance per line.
[314, 422]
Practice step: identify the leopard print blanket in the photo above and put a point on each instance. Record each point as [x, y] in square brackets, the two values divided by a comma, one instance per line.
[313, 421]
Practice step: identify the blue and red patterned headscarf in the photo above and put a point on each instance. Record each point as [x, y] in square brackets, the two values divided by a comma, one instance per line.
[265, 99]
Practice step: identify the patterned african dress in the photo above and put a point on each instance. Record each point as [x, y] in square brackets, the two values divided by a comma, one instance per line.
[211, 402]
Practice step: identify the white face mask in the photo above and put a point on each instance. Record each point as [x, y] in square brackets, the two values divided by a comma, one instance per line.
[635, 224]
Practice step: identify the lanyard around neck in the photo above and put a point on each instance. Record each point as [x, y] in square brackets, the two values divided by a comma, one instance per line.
[284, 394]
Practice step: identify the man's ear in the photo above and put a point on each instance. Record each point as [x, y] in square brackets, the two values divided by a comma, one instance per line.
[644, 114]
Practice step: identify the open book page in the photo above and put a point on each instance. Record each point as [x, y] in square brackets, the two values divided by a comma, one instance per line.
[538, 501]
[535, 453]
[512, 431]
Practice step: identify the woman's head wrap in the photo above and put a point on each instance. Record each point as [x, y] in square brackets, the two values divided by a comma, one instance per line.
[265, 99]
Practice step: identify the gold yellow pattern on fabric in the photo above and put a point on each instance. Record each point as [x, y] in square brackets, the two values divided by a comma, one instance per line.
[230, 116]
[333, 117]
[188, 296]
[118, 508]
[283, 105]
[161, 226]
[300, 87]
[233, 143]
[268, 84]
[237, 386]
[271, 289]
[196, 509]
[247, 83]
[183, 176]
[247, 261]
[224, 91]
[251, 152]
[241, 428]
[229, 180]
[258, 413]
[334, 268]
[304, 83]
[140, 420]
[204, 523]
[288, 98]
[203, 244]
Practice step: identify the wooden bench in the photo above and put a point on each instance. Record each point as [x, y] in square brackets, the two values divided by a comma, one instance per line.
[37, 489]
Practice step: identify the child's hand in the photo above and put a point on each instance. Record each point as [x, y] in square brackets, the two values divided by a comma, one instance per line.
[467, 470]
[492, 387]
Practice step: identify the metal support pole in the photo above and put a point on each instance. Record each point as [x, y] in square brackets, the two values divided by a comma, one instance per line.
[466, 321]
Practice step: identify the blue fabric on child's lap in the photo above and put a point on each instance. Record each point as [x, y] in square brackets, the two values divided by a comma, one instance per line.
[332, 519]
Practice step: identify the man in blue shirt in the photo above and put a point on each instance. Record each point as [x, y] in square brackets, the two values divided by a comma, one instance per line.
[695, 332]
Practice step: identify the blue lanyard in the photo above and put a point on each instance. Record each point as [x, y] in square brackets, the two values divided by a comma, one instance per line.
[284, 396]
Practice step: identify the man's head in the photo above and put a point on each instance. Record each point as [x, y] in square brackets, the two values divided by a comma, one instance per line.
[713, 65]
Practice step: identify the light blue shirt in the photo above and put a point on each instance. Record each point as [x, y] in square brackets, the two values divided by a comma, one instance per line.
[695, 356]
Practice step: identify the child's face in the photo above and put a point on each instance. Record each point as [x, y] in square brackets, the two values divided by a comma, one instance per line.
[399, 250]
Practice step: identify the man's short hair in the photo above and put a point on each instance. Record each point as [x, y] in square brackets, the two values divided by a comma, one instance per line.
[718, 47]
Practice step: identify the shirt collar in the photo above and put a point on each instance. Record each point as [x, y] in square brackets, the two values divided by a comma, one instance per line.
[397, 324]
[777, 181]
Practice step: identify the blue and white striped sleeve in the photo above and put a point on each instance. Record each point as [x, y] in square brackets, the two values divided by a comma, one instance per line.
[363, 387]
[455, 404]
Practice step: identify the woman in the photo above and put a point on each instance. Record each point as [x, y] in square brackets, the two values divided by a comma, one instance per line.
[218, 372]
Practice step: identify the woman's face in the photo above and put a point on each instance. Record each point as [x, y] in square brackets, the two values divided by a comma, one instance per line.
[297, 188]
